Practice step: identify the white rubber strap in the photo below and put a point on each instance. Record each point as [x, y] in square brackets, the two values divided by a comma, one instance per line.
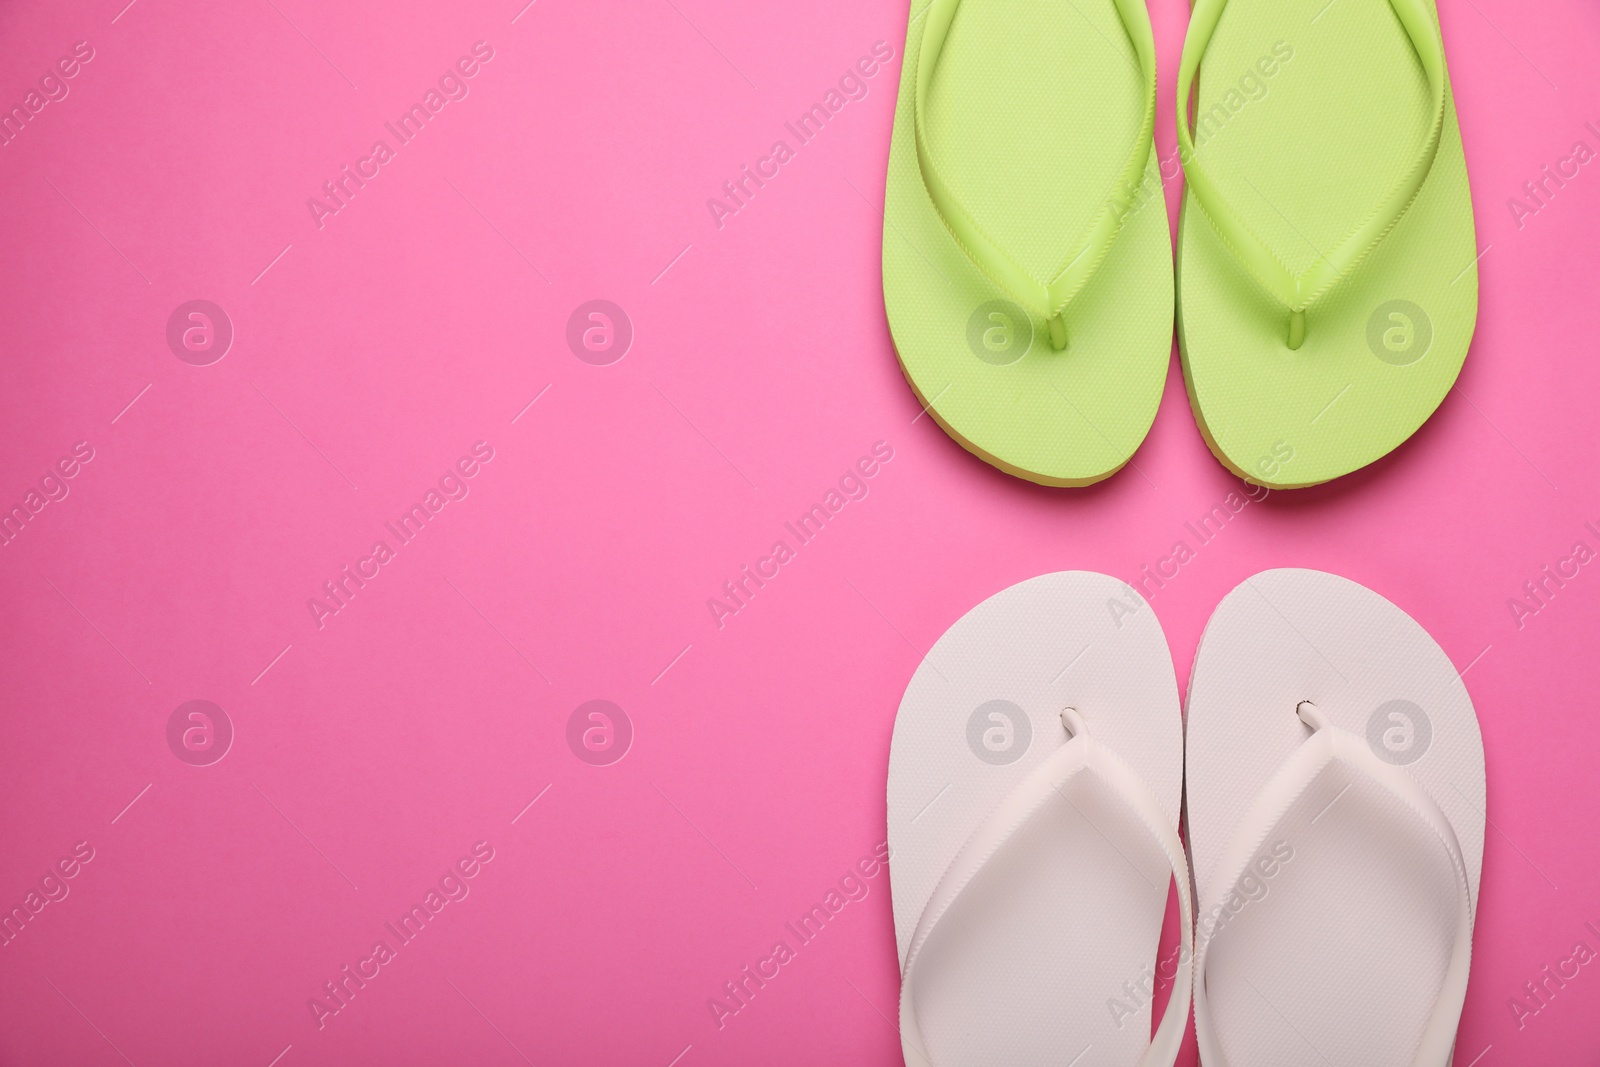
[1079, 755]
[1329, 744]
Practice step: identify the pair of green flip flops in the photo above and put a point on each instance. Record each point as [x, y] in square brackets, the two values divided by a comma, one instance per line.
[1326, 282]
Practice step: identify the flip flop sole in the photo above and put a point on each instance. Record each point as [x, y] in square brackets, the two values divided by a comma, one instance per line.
[1347, 939]
[1305, 151]
[1035, 967]
[1031, 110]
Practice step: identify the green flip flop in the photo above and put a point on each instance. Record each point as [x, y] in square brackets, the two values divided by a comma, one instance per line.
[1027, 271]
[1327, 283]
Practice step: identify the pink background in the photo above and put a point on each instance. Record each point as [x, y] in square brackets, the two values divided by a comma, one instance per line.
[428, 713]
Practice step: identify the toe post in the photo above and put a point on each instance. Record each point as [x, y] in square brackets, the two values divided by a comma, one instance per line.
[1058, 332]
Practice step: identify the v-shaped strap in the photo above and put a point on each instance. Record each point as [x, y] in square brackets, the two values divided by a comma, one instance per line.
[1329, 744]
[1047, 298]
[1298, 291]
[1080, 755]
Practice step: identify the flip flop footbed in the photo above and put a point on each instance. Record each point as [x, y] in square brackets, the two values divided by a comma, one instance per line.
[1032, 113]
[1335, 944]
[1033, 963]
[1306, 116]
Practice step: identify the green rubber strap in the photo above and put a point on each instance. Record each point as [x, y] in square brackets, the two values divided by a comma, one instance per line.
[1050, 298]
[1298, 292]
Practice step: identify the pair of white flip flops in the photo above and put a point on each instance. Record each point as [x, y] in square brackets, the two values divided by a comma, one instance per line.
[1332, 781]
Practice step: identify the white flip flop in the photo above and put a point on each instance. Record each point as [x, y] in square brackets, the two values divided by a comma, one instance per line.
[1034, 784]
[1335, 807]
